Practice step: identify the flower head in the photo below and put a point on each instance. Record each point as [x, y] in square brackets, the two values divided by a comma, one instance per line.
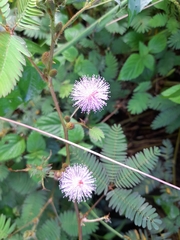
[90, 93]
[77, 183]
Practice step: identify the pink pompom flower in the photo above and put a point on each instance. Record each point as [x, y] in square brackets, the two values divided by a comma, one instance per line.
[90, 93]
[77, 183]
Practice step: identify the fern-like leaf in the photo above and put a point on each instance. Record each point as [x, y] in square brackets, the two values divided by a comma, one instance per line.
[174, 40]
[4, 8]
[167, 153]
[49, 230]
[5, 227]
[133, 206]
[31, 207]
[96, 167]
[27, 11]
[114, 147]
[111, 66]
[143, 161]
[140, 23]
[159, 20]
[12, 49]
[139, 102]
[69, 225]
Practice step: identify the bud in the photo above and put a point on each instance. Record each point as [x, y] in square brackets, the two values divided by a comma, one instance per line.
[51, 5]
[53, 73]
[70, 125]
[45, 58]
[67, 118]
[58, 27]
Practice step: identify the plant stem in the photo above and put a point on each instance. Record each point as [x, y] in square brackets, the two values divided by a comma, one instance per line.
[78, 220]
[50, 85]
[175, 157]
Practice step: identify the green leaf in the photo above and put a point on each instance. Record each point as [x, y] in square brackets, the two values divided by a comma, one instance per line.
[111, 66]
[174, 40]
[84, 67]
[96, 134]
[69, 224]
[73, 32]
[12, 49]
[140, 23]
[5, 227]
[132, 68]
[49, 230]
[105, 130]
[3, 172]
[50, 124]
[157, 43]
[143, 49]
[166, 63]
[21, 183]
[27, 11]
[29, 86]
[65, 89]
[34, 47]
[75, 135]
[159, 20]
[142, 87]
[149, 61]
[132, 39]
[138, 103]
[4, 8]
[173, 93]
[35, 142]
[11, 146]
[70, 54]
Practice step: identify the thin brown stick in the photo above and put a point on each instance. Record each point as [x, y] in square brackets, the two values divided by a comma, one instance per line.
[78, 220]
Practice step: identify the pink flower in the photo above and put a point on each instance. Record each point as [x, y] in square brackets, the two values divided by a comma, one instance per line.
[77, 183]
[90, 93]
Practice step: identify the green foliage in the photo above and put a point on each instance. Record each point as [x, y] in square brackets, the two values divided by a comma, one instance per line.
[11, 69]
[11, 146]
[3, 172]
[4, 8]
[127, 202]
[49, 230]
[114, 147]
[50, 123]
[166, 108]
[143, 161]
[5, 227]
[27, 10]
[173, 93]
[111, 66]
[174, 41]
[141, 50]
[69, 225]
[31, 207]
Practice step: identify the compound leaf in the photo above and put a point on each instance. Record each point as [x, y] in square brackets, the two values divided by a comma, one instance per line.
[12, 49]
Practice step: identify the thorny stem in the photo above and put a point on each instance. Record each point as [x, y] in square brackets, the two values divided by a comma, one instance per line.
[78, 220]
